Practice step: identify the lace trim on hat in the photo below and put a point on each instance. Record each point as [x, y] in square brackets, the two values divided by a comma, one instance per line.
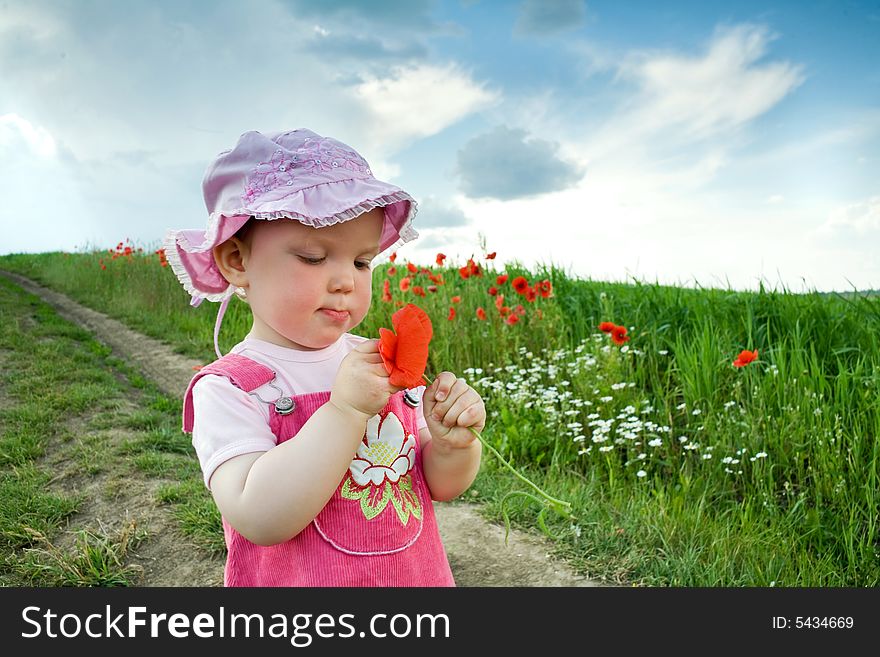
[174, 238]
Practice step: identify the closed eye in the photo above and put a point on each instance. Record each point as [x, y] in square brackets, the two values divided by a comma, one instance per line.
[318, 261]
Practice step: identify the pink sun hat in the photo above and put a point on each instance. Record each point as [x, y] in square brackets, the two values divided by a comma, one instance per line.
[297, 175]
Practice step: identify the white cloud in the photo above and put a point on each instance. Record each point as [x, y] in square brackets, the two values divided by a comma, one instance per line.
[37, 139]
[704, 95]
[418, 101]
[856, 220]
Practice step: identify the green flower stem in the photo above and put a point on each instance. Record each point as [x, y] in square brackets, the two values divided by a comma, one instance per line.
[560, 506]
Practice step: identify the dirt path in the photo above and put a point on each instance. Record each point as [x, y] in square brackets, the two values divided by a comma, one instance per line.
[476, 548]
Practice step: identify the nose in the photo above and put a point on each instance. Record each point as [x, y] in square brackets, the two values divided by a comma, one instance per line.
[342, 279]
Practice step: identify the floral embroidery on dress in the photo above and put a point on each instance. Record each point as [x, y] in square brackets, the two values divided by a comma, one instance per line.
[380, 472]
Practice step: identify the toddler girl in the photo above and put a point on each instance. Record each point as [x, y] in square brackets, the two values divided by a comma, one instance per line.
[323, 471]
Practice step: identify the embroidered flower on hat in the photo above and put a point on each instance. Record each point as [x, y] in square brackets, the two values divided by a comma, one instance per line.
[313, 157]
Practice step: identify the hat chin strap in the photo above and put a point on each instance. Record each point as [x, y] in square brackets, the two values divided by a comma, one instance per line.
[220, 313]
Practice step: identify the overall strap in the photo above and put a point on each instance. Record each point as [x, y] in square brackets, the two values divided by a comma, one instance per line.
[243, 372]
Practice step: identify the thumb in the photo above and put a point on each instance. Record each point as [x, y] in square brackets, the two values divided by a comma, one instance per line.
[368, 347]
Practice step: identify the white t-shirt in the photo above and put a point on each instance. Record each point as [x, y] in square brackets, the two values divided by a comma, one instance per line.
[229, 422]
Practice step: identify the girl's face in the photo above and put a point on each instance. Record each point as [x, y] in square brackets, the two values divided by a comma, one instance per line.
[307, 286]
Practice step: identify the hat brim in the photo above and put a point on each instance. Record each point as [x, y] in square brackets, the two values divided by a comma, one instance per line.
[189, 252]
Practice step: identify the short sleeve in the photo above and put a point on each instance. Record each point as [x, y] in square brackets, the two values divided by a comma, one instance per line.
[227, 423]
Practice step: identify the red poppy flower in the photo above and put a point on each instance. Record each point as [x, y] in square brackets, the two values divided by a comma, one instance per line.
[456, 299]
[512, 319]
[618, 334]
[404, 283]
[474, 268]
[606, 327]
[412, 268]
[440, 258]
[490, 256]
[531, 294]
[386, 290]
[481, 314]
[545, 288]
[405, 355]
[393, 256]
[432, 288]
[501, 280]
[499, 301]
[520, 284]
[436, 278]
[418, 290]
[392, 270]
[519, 310]
[504, 311]
[493, 291]
[451, 314]
[745, 357]
[464, 271]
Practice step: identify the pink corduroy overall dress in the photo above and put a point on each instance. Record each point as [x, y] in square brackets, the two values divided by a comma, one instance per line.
[379, 527]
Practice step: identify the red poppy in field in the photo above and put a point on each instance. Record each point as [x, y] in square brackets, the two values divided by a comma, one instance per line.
[474, 268]
[502, 279]
[618, 334]
[412, 268]
[745, 357]
[520, 284]
[499, 301]
[405, 351]
[418, 290]
[432, 288]
[512, 319]
[545, 288]
[451, 314]
[481, 314]
[493, 290]
[490, 256]
[465, 272]
[386, 290]
[531, 294]
[393, 256]
[456, 299]
[440, 258]
[436, 278]
[519, 310]
[404, 283]
[607, 327]
[392, 270]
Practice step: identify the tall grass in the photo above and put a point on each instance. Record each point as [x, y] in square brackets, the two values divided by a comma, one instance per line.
[683, 469]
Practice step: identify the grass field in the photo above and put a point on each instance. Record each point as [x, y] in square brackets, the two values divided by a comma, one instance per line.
[83, 440]
[683, 470]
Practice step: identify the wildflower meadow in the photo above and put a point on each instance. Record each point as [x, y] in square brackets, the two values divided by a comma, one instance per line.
[705, 437]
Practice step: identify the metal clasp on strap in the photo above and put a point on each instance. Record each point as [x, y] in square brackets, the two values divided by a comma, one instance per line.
[411, 398]
[284, 405]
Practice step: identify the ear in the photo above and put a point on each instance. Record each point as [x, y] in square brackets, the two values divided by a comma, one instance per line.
[231, 258]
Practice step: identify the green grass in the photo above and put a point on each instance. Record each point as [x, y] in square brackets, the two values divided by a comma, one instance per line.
[63, 416]
[682, 470]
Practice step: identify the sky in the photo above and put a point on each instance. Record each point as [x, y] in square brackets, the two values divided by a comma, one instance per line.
[709, 144]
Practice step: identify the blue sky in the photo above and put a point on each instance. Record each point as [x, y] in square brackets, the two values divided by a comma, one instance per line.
[710, 143]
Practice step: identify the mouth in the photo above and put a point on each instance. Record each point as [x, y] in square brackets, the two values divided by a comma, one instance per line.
[336, 315]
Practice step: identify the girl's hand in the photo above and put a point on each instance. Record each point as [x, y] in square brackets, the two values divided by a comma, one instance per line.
[451, 406]
[361, 385]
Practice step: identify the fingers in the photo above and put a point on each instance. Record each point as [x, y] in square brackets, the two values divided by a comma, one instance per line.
[462, 406]
[443, 384]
